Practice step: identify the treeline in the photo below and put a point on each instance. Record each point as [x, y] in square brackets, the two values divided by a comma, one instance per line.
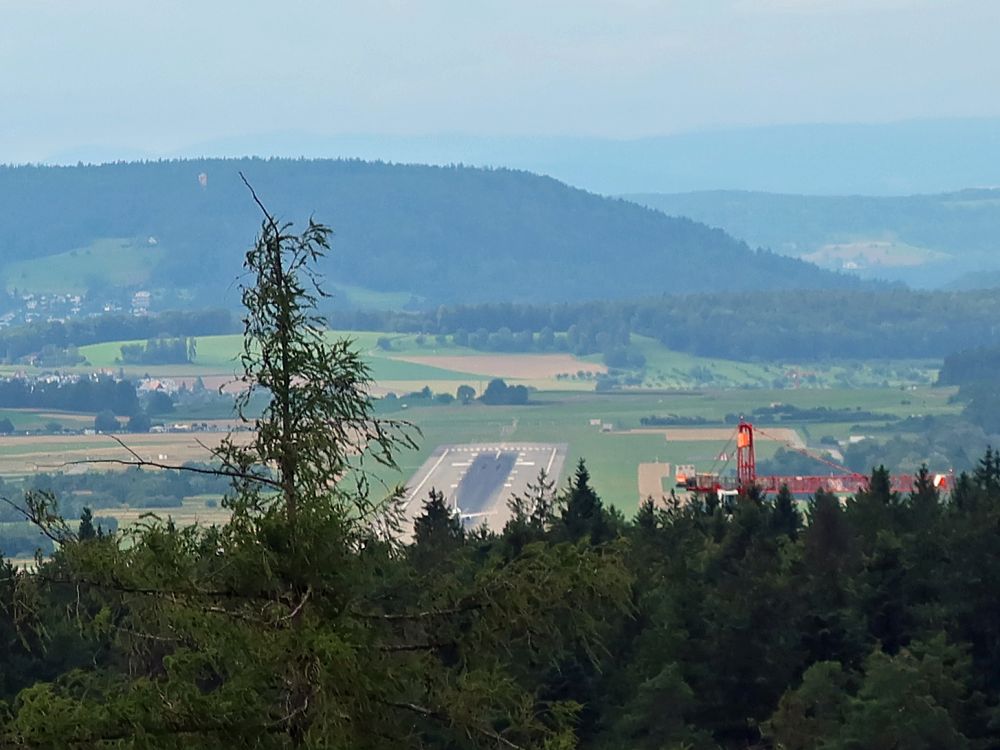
[22, 539]
[977, 365]
[776, 414]
[160, 351]
[581, 329]
[976, 372]
[84, 394]
[875, 324]
[982, 404]
[783, 413]
[134, 487]
[746, 624]
[496, 393]
[672, 420]
[76, 494]
[22, 341]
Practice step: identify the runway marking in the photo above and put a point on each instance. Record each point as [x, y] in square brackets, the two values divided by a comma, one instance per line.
[525, 463]
[548, 469]
[461, 463]
[429, 475]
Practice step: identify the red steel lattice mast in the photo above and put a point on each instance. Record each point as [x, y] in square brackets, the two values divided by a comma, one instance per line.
[746, 462]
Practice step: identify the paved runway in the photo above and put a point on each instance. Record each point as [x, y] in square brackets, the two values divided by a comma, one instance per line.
[479, 479]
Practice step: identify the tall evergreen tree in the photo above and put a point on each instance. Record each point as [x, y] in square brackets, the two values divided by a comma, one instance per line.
[583, 513]
[924, 502]
[874, 508]
[86, 530]
[785, 516]
[438, 525]
[531, 514]
[437, 533]
[296, 623]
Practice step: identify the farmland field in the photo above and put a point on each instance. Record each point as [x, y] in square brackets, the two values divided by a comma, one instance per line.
[21, 454]
[671, 369]
[561, 410]
[410, 359]
[406, 366]
[202, 509]
[519, 366]
[32, 419]
[613, 456]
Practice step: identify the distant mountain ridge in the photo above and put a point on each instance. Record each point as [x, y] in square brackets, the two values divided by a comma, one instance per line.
[442, 234]
[939, 240]
[893, 158]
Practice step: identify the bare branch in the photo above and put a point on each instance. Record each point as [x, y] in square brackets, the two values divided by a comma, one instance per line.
[163, 593]
[426, 614]
[298, 608]
[42, 524]
[393, 648]
[125, 446]
[127, 731]
[142, 463]
[253, 194]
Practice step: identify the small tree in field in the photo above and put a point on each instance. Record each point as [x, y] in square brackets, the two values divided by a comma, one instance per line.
[105, 422]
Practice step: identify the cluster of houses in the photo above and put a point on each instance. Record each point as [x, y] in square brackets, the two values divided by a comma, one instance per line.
[32, 308]
[29, 308]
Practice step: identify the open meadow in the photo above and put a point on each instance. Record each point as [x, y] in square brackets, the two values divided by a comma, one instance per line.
[108, 261]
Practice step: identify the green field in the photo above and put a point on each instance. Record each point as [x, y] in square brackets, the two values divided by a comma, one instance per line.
[358, 297]
[217, 355]
[613, 457]
[31, 419]
[105, 262]
[671, 369]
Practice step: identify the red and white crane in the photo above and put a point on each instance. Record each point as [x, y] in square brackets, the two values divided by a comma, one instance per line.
[841, 482]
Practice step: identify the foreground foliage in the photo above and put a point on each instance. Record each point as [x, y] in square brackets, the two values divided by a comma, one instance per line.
[301, 622]
[304, 622]
[867, 624]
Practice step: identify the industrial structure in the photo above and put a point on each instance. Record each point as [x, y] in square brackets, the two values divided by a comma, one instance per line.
[841, 480]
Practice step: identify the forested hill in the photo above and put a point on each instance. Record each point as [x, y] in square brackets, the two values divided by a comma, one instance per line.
[932, 240]
[442, 234]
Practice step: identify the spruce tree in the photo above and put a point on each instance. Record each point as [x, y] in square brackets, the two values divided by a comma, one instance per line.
[583, 513]
[86, 530]
[785, 516]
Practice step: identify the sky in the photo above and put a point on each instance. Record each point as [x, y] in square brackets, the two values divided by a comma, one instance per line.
[135, 77]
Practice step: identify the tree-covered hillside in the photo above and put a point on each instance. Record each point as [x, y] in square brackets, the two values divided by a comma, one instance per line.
[929, 239]
[439, 233]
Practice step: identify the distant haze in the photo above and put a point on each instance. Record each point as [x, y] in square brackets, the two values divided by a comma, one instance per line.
[891, 159]
[127, 80]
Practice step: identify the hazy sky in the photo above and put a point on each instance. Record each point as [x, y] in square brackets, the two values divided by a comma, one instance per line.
[139, 76]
